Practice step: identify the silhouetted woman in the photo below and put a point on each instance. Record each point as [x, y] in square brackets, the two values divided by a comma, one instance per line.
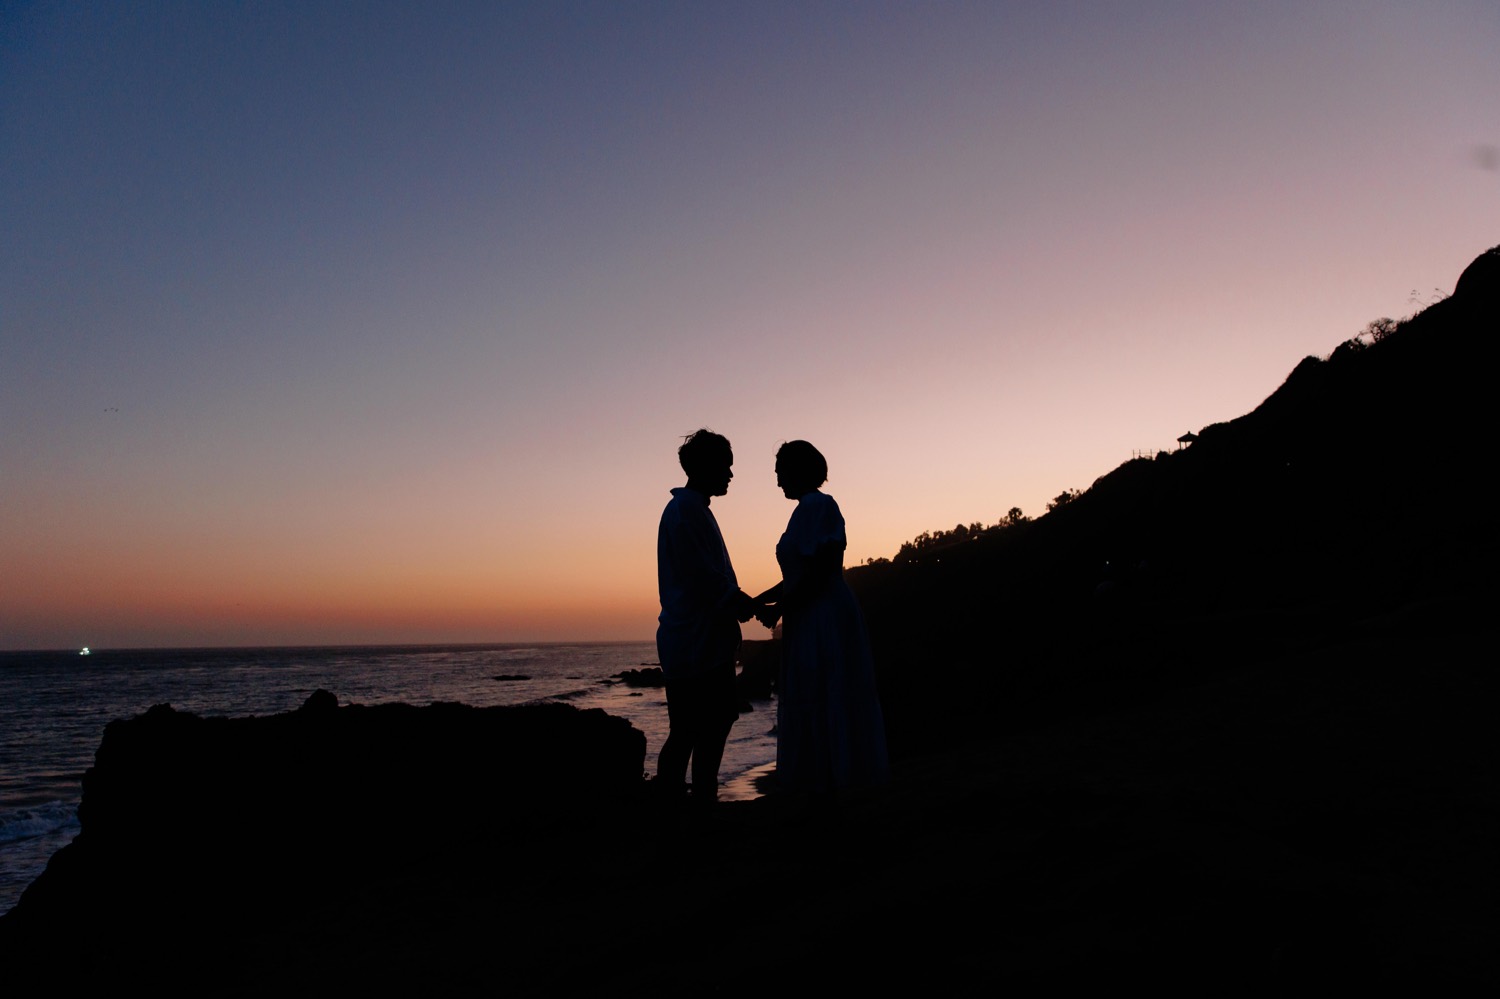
[829, 729]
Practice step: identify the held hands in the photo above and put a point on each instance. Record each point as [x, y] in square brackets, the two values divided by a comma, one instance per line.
[768, 606]
[746, 607]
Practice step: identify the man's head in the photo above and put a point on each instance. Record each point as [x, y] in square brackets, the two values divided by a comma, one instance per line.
[706, 457]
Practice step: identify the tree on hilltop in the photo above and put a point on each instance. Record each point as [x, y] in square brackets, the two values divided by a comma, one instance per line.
[1064, 498]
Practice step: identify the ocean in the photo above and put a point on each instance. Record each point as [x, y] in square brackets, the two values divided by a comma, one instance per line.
[54, 706]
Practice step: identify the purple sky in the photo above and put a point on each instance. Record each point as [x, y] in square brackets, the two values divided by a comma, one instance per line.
[381, 322]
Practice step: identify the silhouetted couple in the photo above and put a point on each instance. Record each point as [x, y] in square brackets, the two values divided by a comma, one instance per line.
[830, 733]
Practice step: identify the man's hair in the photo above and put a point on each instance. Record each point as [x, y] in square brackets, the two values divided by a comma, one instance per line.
[704, 451]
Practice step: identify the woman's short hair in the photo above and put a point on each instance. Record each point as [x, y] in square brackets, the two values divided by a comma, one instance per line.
[704, 451]
[803, 463]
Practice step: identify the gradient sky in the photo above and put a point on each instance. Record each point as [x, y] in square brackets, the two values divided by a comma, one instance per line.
[377, 322]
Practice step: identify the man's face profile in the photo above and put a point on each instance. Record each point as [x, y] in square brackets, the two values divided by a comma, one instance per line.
[707, 458]
[718, 476]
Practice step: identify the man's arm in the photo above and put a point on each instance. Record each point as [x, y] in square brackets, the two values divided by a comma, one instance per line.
[702, 563]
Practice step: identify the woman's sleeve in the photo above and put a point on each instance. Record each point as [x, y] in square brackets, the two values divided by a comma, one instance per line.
[832, 526]
[823, 525]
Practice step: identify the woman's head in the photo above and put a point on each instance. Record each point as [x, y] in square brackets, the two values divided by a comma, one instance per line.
[800, 468]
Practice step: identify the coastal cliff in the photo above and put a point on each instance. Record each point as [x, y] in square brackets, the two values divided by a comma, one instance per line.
[1354, 491]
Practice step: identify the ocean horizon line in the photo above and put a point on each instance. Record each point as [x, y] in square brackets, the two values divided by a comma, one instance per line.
[509, 643]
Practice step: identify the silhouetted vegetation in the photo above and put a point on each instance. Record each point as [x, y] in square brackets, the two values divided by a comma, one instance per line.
[1063, 498]
[1379, 329]
[930, 544]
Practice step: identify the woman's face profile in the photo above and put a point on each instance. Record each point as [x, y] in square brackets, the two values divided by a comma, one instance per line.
[785, 481]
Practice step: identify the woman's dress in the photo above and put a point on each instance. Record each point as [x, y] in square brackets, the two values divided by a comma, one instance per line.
[829, 730]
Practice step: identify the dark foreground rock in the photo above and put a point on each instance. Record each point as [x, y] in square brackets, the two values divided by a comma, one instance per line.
[200, 835]
[646, 676]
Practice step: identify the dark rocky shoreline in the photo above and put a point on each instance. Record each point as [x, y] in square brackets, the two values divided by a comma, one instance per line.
[1313, 821]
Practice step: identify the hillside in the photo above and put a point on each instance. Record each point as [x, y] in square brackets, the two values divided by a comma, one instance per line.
[1352, 494]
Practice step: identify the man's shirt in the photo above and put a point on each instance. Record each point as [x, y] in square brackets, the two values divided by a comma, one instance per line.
[697, 630]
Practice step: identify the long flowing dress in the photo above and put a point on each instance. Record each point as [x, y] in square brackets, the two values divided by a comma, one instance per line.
[830, 732]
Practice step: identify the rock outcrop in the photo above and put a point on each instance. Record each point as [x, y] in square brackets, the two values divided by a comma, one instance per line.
[200, 830]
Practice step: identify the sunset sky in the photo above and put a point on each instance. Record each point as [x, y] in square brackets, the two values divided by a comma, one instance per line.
[381, 322]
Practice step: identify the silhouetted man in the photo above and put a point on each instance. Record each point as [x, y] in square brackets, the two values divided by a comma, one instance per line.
[698, 633]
